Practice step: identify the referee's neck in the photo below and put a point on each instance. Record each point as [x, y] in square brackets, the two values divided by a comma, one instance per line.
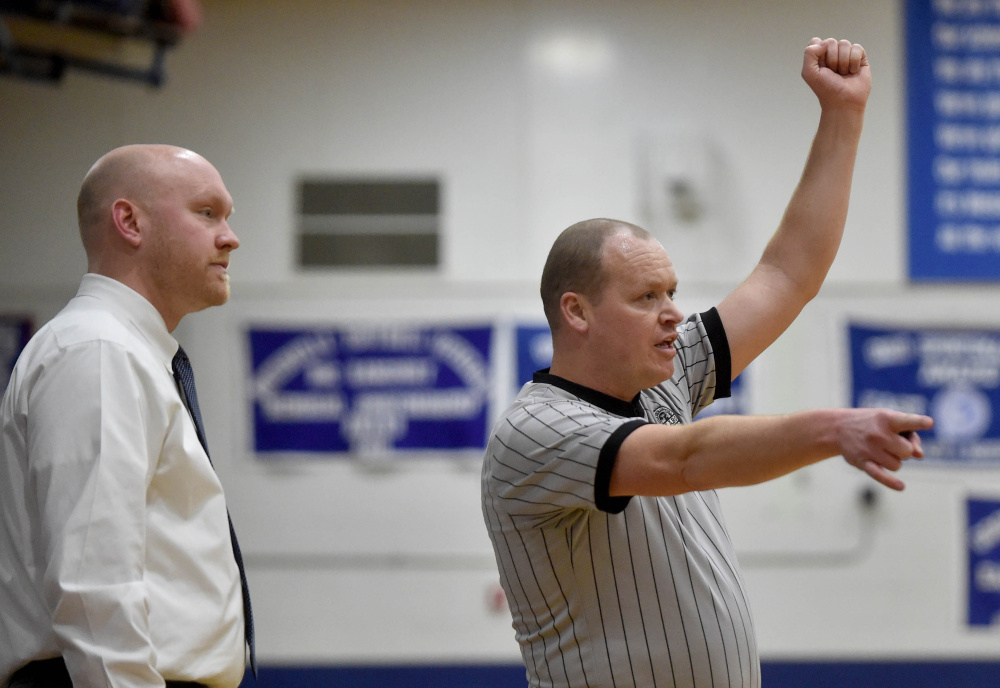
[594, 376]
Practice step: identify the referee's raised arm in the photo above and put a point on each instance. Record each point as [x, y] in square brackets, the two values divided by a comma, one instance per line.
[798, 257]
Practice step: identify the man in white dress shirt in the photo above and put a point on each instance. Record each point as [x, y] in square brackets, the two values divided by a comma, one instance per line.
[117, 566]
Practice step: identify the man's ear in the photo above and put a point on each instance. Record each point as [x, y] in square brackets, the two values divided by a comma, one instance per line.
[126, 217]
[575, 311]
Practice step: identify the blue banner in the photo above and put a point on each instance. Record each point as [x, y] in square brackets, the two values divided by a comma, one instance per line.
[375, 391]
[953, 97]
[950, 375]
[984, 561]
[735, 404]
[534, 351]
[14, 334]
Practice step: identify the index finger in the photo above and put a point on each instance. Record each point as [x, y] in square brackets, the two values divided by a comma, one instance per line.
[908, 422]
[858, 58]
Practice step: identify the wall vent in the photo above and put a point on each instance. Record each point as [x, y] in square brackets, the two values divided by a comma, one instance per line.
[368, 223]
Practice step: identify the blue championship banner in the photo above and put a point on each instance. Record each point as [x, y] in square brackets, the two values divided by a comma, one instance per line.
[534, 352]
[370, 391]
[951, 375]
[14, 334]
[735, 404]
[953, 111]
[984, 561]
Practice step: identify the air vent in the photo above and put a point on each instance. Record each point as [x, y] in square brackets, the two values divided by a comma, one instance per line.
[368, 223]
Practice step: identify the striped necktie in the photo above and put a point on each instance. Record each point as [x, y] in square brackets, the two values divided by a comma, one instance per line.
[184, 376]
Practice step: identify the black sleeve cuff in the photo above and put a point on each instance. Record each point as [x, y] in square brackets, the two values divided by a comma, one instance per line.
[605, 464]
[720, 347]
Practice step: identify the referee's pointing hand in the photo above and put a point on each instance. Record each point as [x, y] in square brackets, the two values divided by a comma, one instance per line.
[877, 441]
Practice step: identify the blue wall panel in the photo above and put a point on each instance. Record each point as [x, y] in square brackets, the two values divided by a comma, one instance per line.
[415, 676]
[878, 674]
[826, 674]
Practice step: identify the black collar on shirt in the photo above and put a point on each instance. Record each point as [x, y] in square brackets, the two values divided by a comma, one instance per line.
[626, 409]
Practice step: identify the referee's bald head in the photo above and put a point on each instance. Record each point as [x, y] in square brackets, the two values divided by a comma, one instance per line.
[574, 263]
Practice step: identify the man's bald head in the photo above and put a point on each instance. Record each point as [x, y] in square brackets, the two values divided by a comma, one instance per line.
[156, 219]
[132, 173]
[574, 263]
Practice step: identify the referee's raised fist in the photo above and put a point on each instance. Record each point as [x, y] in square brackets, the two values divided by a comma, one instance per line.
[838, 73]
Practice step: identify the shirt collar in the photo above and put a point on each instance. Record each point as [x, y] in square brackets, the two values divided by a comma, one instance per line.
[132, 307]
[627, 409]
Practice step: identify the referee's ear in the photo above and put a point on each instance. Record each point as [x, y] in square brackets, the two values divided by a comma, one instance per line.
[576, 312]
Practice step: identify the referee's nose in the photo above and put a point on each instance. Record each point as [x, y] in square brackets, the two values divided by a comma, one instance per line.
[671, 313]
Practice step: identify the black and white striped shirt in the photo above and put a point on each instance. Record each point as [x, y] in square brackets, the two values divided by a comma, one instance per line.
[617, 592]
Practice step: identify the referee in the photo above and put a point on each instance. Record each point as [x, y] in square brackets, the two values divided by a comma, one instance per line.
[598, 492]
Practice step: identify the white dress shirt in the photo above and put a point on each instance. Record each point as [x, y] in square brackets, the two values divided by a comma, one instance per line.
[114, 540]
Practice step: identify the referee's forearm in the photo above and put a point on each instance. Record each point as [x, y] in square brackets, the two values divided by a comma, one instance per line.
[746, 450]
[724, 451]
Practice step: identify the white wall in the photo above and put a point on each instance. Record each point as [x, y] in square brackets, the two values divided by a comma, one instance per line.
[474, 92]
